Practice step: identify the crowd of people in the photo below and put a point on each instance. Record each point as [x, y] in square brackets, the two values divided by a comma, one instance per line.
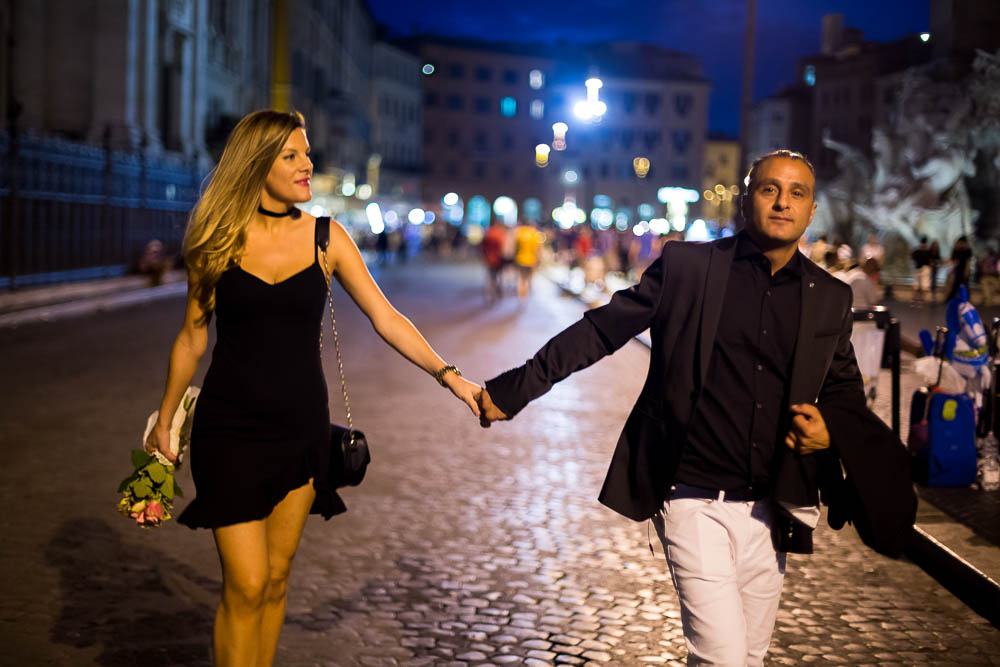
[934, 279]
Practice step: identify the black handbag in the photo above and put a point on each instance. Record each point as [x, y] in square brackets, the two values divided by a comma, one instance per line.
[349, 454]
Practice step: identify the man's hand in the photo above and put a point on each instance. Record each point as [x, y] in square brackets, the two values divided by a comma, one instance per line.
[488, 411]
[808, 433]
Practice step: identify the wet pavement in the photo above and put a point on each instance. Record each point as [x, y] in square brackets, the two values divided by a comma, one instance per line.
[462, 547]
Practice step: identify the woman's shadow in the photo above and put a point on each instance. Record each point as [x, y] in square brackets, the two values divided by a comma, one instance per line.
[139, 605]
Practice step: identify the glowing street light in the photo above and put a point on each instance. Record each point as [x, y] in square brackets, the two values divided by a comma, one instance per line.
[592, 108]
[542, 155]
[559, 136]
[641, 166]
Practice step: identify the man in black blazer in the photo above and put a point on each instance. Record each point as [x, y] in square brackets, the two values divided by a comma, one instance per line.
[753, 406]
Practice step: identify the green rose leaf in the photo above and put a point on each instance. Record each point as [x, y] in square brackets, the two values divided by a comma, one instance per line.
[156, 472]
[177, 489]
[142, 489]
[168, 487]
[126, 482]
[140, 458]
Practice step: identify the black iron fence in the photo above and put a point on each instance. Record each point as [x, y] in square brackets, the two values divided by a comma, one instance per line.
[76, 212]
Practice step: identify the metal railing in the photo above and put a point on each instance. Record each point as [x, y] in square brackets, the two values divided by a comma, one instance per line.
[74, 212]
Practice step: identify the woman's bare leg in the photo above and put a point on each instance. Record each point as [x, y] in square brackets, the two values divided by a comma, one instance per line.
[284, 528]
[243, 553]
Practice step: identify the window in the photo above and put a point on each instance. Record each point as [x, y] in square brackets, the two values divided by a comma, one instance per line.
[451, 170]
[605, 170]
[456, 70]
[679, 173]
[537, 109]
[777, 117]
[507, 141]
[506, 174]
[681, 139]
[431, 99]
[479, 170]
[484, 74]
[628, 136]
[455, 102]
[651, 138]
[482, 105]
[482, 141]
[510, 77]
[652, 103]
[508, 107]
[453, 139]
[683, 103]
[628, 101]
[536, 79]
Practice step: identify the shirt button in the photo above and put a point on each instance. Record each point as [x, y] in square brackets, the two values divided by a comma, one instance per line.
[759, 406]
[760, 367]
[754, 445]
[767, 293]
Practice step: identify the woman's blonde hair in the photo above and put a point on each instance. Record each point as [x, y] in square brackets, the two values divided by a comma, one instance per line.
[217, 227]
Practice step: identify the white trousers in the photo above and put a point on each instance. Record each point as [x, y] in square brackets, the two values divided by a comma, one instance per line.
[727, 574]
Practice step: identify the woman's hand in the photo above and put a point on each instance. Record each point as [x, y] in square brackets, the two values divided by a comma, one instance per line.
[159, 440]
[464, 390]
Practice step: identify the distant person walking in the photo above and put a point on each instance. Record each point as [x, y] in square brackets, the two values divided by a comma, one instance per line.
[871, 250]
[989, 276]
[492, 247]
[935, 257]
[961, 256]
[528, 244]
[921, 257]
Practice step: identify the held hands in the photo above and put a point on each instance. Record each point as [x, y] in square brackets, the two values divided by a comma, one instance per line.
[808, 433]
[463, 390]
[488, 411]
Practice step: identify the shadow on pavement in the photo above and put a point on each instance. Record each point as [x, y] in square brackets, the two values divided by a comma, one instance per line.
[114, 596]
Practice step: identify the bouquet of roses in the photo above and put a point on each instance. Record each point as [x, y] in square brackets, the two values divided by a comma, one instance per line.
[148, 493]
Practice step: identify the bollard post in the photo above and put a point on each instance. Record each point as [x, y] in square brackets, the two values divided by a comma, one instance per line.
[892, 338]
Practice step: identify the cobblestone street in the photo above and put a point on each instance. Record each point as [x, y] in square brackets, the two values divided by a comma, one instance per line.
[463, 546]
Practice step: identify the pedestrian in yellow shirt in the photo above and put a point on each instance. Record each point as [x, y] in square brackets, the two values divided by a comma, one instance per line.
[528, 242]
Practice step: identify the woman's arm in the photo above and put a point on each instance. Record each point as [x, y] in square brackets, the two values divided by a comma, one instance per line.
[346, 263]
[187, 350]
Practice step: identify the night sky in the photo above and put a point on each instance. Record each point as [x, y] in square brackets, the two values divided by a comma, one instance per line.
[710, 29]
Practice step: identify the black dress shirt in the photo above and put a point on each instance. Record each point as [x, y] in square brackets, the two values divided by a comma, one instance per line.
[742, 413]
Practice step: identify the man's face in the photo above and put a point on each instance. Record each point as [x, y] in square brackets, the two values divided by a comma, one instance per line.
[781, 204]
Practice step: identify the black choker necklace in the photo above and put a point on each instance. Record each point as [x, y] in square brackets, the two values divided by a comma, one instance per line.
[273, 214]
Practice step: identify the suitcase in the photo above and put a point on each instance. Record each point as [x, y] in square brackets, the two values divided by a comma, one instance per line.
[944, 445]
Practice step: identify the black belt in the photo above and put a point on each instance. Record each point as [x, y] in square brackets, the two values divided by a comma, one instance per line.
[743, 494]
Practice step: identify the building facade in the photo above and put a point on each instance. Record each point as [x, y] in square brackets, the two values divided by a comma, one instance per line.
[720, 179]
[489, 106]
[780, 121]
[843, 84]
[396, 110]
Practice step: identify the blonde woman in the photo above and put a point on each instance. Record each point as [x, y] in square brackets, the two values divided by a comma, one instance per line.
[262, 415]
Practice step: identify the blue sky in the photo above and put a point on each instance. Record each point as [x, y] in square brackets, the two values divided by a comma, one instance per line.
[712, 30]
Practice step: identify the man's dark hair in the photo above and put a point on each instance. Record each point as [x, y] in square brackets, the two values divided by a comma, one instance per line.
[923, 239]
[752, 174]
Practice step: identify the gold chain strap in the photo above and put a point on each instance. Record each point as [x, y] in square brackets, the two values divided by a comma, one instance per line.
[336, 343]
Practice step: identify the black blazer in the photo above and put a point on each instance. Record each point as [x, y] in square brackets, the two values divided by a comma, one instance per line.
[680, 300]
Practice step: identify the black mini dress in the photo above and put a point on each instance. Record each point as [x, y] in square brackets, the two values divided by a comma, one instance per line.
[261, 423]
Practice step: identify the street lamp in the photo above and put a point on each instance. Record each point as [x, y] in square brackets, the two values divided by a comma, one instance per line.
[591, 109]
[559, 136]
